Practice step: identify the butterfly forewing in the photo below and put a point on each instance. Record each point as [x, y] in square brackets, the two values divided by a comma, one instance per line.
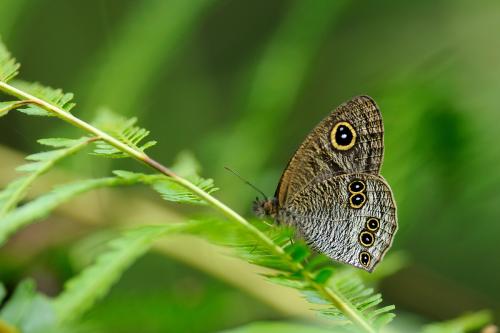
[319, 157]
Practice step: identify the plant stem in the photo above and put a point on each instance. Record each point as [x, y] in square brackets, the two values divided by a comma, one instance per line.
[337, 301]
[140, 156]
[10, 107]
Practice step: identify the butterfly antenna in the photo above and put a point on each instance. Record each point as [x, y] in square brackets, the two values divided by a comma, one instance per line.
[246, 182]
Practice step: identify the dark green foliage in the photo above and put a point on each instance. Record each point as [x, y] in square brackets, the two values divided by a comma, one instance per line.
[240, 84]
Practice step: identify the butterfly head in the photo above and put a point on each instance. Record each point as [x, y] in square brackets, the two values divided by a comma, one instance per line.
[265, 208]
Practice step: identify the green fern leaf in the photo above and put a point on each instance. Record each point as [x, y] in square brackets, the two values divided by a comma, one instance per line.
[42, 162]
[10, 192]
[292, 271]
[53, 96]
[28, 310]
[124, 130]
[186, 166]
[81, 292]
[94, 282]
[171, 191]
[8, 66]
[59, 142]
[43, 205]
[168, 188]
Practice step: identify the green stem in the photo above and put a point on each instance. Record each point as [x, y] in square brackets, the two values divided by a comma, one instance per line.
[340, 304]
[337, 301]
[9, 107]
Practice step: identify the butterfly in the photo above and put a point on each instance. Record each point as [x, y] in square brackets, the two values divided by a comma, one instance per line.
[332, 192]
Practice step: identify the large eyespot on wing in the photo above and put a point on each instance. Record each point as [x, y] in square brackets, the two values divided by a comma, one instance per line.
[349, 140]
[359, 236]
[343, 136]
[357, 135]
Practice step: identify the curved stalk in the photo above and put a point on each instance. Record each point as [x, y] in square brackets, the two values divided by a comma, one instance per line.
[337, 301]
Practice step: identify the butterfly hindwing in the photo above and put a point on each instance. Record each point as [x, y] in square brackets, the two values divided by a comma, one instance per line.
[324, 153]
[350, 218]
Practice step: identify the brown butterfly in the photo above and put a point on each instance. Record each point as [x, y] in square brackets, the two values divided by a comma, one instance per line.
[332, 192]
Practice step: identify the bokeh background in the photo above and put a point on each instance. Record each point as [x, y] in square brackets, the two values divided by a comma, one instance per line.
[240, 84]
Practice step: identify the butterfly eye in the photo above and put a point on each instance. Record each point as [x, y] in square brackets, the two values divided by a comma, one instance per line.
[357, 186]
[357, 200]
[373, 224]
[366, 238]
[343, 136]
[365, 258]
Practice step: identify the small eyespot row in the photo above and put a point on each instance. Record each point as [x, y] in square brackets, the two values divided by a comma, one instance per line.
[366, 238]
[357, 190]
[357, 186]
[343, 136]
[372, 224]
[357, 200]
[365, 258]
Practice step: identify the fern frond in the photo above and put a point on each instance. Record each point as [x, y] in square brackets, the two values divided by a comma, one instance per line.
[53, 96]
[42, 162]
[349, 285]
[122, 129]
[28, 311]
[43, 205]
[171, 191]
[8, 65]
[319, 284]
[185, 165]
[81, 292]
[168, 188]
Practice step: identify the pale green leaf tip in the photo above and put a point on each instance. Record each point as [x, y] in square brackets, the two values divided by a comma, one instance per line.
[9, 68]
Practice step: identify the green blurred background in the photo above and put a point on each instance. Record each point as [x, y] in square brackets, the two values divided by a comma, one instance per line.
[240, 84]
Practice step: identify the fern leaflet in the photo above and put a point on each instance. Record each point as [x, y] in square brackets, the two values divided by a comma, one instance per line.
[43, 205]
[27, 311]
[296, 268]
[81, 292]
[124, 130]
[53, 96]
[42, 162]
[8, 65]
[168, 188]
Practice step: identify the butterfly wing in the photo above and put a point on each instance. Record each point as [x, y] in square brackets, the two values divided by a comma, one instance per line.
[349, 140]
[350, 218]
